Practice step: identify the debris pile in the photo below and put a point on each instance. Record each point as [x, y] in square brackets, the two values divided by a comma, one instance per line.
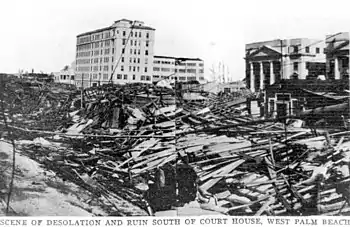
[141, 143]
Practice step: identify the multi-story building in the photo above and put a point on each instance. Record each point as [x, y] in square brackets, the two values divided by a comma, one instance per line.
[121, 53]
[270, 61]
[337, 53]
[178, 69]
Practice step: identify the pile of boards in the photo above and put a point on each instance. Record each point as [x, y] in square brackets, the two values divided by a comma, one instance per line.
[124, 134]
[34, 105]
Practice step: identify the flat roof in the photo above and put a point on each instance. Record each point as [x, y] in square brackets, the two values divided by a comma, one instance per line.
[110, 27]
[178, 58]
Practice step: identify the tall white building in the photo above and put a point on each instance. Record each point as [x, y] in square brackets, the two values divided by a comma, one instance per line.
[178, 69]
[121, 53]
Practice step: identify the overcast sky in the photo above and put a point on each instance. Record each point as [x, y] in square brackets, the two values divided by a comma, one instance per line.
[41, 34]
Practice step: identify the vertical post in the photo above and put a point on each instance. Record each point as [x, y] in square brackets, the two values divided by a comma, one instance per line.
[272, 74]
[336, 69]
[252, 77]
[281, 58]
[262, 76]
[82, 91]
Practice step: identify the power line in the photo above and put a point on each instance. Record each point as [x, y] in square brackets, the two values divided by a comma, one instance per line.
[123, 51]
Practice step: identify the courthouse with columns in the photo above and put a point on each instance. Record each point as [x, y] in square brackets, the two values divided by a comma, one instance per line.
[286, 73]
[270, 61]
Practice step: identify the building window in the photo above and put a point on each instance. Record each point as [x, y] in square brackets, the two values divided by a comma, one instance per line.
[135, 42]
[130, 51]
[131, 42]
[135, 51]
[201, 71]
[147, 43]
[125, 77]
[147, 35]
[295, 49]
[156, 69]
[121, 68]
[139, 34]
[124, 41]
[145, 69]
[122, 59]
[146, 52]
[124, 33]
[138, 68]
[317, 50]
[130, 60]
[191, 70]
[131, 33]
[112, 59]
[142, 77]
[123, 50]
[139, 52]
[133, 77]
[307, 49]
[113, 50]
[138, 60]
[129, 68]
[134, 69]
[105, 76]
[295, 66]
[119, 76]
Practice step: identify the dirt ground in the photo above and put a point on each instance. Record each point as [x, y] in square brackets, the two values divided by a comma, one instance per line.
[38, 192]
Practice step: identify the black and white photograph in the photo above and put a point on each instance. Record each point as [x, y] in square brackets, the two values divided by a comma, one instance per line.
[175, 108]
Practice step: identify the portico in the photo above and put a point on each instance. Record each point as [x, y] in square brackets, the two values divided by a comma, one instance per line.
[264, 68]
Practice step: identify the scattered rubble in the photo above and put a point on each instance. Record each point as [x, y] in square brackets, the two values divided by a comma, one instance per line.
[140, 142]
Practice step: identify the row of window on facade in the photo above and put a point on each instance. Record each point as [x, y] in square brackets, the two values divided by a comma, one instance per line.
[66, 77]
[190, 78]
[108, 34]
[295, 49]
[106, 60]
[107, 44]
[173, 63]
[157, 69]
[125, 77]
[107, 52]
[118, 76]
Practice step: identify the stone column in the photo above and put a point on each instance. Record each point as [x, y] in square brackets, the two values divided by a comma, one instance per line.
[272, 75]
[262, 76]
[336, 69]
[252, 77]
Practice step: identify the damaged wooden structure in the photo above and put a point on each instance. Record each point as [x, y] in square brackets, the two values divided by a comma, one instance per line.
[135, 138]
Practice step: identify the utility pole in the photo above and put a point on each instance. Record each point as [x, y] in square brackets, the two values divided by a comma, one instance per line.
[82, 92]
[281, 41]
